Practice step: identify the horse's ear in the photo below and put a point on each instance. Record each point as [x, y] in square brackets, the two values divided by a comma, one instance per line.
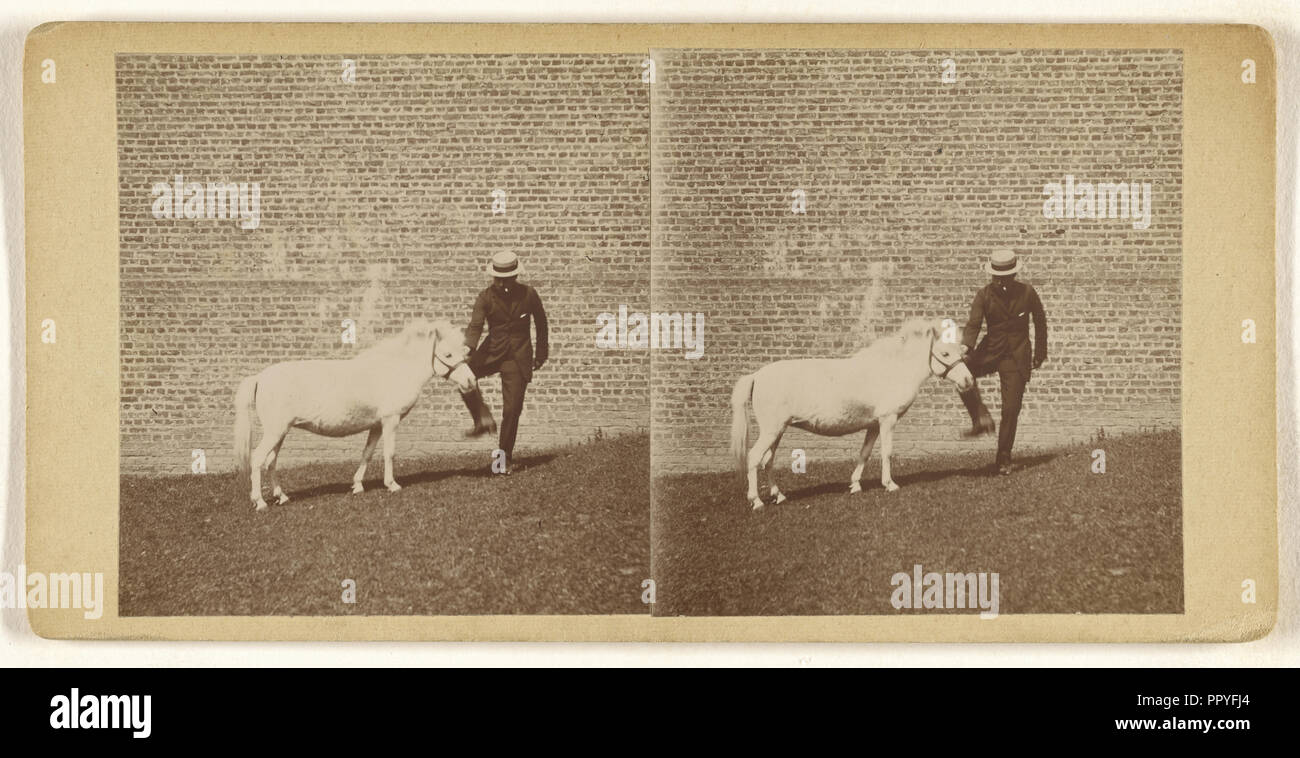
[416, 330]
[441, 329]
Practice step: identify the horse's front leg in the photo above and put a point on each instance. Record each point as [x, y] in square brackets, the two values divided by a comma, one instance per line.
[886, 450]
[389, 425]
[855, 483]
[371, 441]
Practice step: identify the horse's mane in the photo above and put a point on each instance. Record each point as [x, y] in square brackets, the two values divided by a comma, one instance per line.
[893, 343]
[400, 342]
[445, 331]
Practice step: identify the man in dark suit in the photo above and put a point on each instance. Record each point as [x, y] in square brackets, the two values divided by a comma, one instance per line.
[1006, 305]
[508, 308]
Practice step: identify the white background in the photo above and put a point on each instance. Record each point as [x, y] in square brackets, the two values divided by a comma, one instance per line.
[19, 647]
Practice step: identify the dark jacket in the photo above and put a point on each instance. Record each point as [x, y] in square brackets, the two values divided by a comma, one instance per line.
[509, 338]
[1007, 316]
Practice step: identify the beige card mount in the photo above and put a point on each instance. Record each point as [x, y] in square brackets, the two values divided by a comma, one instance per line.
[238, 230]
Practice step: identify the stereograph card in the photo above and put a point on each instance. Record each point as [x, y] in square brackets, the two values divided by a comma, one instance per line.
[661, 333]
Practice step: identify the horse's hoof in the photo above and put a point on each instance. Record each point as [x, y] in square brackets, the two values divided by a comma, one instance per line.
[757, 504]
[393, 486]
[261, 505]
[357, 489]
[891, 487]
[282, 499]
[780, 498]
[855, 488]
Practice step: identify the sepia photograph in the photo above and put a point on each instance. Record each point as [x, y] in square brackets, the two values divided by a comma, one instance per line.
[357, 373]
[360, 343]
[687, 333]
[943, 358]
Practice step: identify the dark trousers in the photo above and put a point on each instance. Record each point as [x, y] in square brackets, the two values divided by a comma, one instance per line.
[1013, 393]
[513, 387]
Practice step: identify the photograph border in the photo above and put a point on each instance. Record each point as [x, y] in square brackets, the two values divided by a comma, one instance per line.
[1228, 387]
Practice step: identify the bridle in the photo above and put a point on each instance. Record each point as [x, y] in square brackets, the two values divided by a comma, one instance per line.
[450, 367]
[947, 367]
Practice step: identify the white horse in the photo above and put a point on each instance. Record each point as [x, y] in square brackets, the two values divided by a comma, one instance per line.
[373, 391]
[869, 390]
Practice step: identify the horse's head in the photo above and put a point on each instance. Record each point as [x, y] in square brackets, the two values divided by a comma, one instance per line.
[451, 356]
[946, 359]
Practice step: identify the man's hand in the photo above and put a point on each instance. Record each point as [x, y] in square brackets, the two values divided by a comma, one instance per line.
[538, 363]
[964, 350]
[1038, 362]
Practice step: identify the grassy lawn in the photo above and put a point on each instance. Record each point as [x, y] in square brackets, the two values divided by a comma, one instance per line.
[1064, 540]
[567, 534]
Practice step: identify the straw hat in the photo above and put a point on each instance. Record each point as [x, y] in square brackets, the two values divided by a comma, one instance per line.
[504, 265]
[1002, 263]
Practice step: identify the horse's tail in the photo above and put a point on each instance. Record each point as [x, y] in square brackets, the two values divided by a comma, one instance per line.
[244, 397]
[740, 397]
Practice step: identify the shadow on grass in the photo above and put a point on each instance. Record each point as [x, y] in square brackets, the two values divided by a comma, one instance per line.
[979, 472]
[421, 477]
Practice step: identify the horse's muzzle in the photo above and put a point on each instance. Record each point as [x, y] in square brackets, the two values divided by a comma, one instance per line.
[960, 375]
[463, 376]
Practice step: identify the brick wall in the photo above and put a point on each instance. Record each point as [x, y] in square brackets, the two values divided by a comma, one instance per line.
[376, 206]
[910, 182]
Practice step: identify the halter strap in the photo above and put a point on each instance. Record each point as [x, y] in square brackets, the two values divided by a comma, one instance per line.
[450, 367]
[947, 367]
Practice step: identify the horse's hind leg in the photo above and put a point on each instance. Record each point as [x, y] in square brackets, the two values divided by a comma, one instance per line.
[272, 436]
[777, 496]
[873, 431]
[759, 455]
[389, 425]
[274, 471]
[371, 441]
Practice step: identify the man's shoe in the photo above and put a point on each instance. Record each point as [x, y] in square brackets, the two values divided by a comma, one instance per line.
[478, 411]
[1005, 469]
[981, 421]
[984, 426]
[480, 429]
